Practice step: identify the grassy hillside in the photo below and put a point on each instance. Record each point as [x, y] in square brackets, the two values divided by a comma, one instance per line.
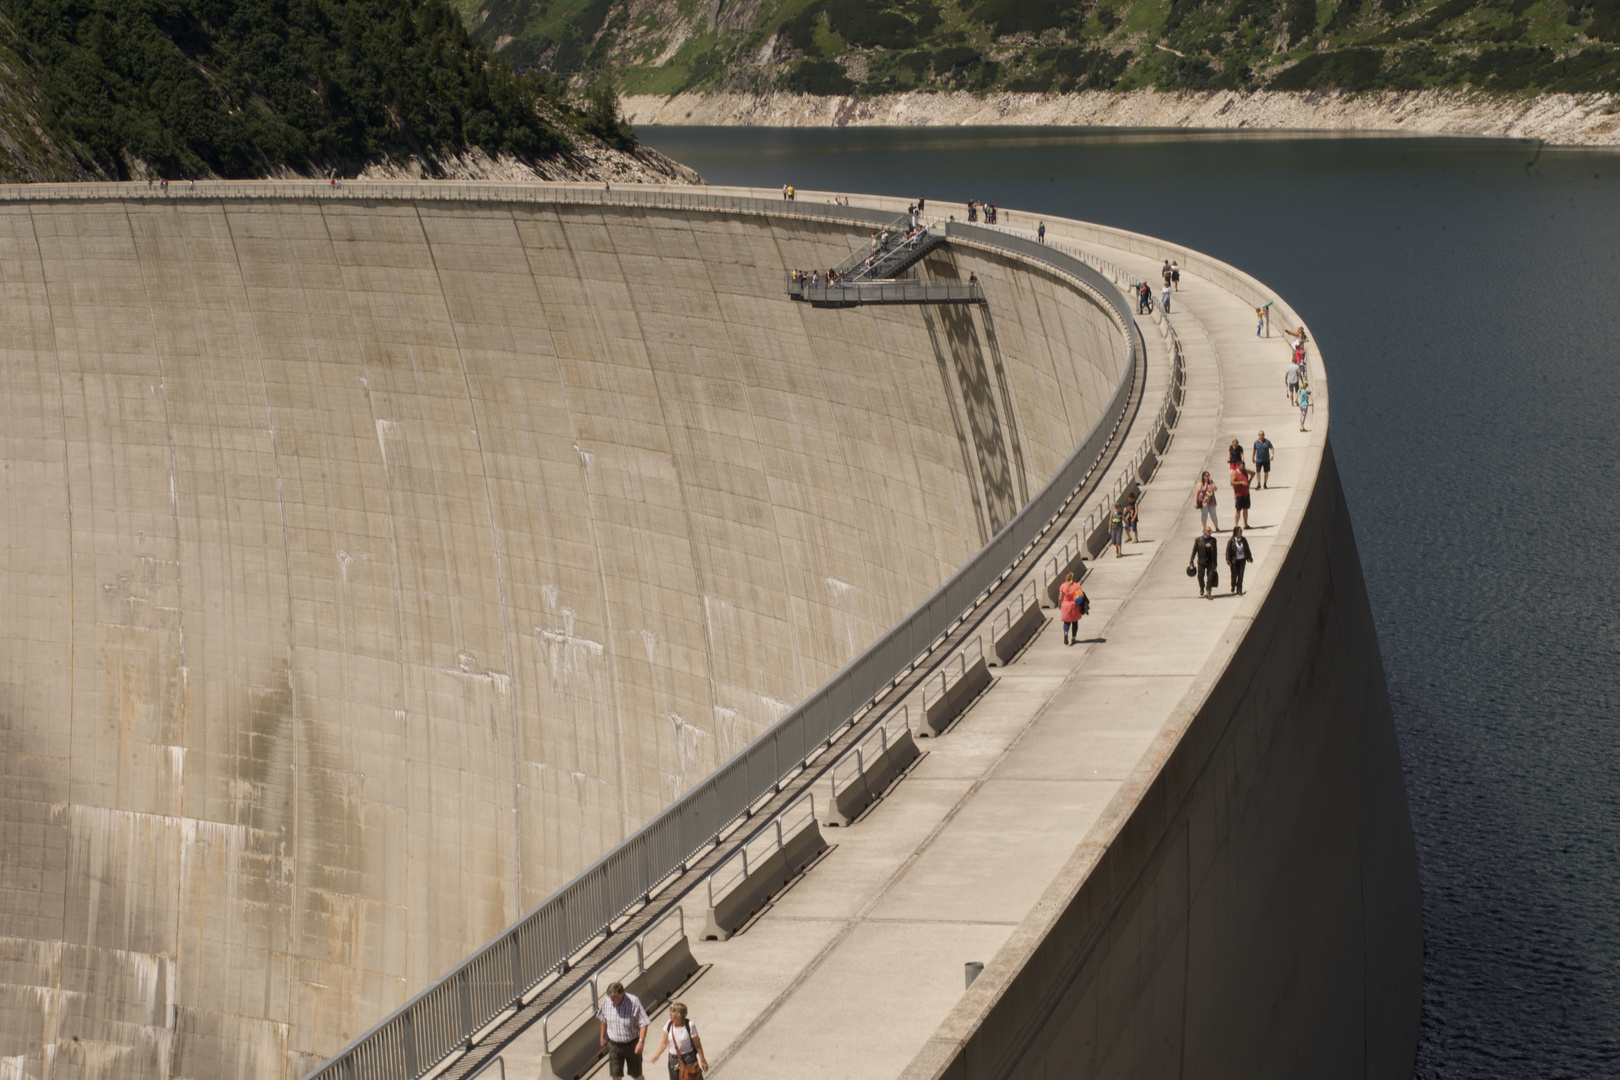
[238, 88]
[880, 46]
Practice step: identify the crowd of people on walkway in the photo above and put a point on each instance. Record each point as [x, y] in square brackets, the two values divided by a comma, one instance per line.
[1297, 378]
[1203, 562]
[975, 208]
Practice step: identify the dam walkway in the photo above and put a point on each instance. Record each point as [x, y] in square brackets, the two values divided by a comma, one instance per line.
[858, 967]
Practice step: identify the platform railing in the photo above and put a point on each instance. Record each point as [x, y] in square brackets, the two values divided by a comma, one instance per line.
[856, 293]
[447, 1016]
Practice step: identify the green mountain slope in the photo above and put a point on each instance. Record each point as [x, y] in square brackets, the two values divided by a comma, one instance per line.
[885, 46]
[240, 88]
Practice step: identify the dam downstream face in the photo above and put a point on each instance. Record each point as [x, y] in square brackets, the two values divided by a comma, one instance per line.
[360, 547]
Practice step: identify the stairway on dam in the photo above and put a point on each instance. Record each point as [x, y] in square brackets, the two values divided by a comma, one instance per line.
[424, 542]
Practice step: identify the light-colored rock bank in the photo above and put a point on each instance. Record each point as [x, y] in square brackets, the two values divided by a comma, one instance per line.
[1562, 119]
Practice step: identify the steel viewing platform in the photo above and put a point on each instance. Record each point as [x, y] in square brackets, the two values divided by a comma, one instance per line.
[853, 294]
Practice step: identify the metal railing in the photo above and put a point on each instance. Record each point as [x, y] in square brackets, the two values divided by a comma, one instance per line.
[854, 262]
[852, 766]
[1014, 609]
[623, 966]
[942, 673]
[507, 972]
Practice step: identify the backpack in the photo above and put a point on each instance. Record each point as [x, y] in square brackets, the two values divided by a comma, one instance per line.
[1084, 603]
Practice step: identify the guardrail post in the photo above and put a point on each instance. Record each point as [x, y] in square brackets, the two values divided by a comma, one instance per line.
[409, 1041]
[466, 1006]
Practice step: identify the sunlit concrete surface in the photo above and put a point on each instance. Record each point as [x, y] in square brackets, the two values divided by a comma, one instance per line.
[373, 565]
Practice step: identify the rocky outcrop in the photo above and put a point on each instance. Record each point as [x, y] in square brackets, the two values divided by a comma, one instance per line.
[1564, 119]
[587, 161]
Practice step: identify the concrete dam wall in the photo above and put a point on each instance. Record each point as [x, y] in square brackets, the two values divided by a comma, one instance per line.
[373, 565]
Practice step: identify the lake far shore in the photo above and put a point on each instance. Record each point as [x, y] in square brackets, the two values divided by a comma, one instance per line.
[1556, 119]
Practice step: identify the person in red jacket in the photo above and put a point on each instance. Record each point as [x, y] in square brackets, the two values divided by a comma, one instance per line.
[1072, 605]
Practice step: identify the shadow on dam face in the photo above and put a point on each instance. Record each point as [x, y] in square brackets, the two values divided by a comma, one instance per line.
[373, 566]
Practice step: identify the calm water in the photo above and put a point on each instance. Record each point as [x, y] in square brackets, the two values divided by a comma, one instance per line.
[1464, 293]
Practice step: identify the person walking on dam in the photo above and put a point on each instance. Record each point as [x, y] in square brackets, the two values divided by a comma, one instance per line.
[1133, 514]
[1116, 530]
[1164, 298]
[1204, 500]
[1072, 605]
[1240, 494]
[1304, 405]
[1262, 459]
[1238, 556]
[687, 1061]
[624, 1031]
[1203, 557]
[1040, 233]
[1291, 381]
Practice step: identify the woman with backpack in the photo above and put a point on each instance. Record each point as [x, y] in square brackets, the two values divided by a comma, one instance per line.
[687, 1061]
[1072, 604]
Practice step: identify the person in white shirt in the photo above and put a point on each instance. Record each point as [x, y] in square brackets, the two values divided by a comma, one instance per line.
[683, 1041]
[623, 1031]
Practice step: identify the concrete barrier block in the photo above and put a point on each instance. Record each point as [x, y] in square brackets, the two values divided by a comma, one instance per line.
[578, 1051]
[957, 697]
[847, 805]
[1016, 636]
[765, 880]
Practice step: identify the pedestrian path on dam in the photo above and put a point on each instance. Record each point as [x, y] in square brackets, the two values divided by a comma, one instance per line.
[857, 969]
[394, 565]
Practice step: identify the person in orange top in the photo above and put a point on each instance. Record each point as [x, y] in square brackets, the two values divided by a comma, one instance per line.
[1072, 604]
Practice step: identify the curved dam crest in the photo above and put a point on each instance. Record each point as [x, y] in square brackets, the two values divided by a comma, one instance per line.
[358, 548]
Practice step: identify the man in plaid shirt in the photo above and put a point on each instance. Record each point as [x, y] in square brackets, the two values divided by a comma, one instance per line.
[624, 1030]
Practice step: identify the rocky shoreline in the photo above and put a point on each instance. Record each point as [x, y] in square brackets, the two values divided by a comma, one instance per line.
[1556, 119]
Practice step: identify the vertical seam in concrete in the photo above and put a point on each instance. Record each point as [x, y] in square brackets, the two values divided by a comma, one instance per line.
[589, 516]
[67, 485]
[674, 463]
[753, 422]
[355, 943]
[494, 527]
[286, 567]
[174, 505]
[609, 651]
[804, 313]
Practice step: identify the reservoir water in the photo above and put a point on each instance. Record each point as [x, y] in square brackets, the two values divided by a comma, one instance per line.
[1464, 293]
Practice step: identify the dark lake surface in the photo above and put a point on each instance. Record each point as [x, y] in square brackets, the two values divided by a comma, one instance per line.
[1463, 293]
